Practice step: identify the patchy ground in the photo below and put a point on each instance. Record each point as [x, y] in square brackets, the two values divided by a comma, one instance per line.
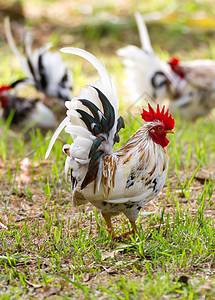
[42, 233]
[50, 249]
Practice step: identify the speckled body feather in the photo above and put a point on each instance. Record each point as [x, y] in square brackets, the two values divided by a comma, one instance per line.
[131, 176]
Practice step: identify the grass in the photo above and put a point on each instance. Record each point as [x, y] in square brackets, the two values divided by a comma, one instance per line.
[50, 249]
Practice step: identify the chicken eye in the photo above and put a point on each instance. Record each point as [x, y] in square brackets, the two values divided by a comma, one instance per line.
[159, 128]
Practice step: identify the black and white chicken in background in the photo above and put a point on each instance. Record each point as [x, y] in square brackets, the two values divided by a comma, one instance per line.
[120, 181]
[187, 86]
[48, 74]
[45, 70]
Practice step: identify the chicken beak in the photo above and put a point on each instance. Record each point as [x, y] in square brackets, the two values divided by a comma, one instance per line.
[169, 131]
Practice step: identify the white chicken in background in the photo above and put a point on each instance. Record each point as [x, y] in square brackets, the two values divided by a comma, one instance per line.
[147, 76]
[113, 181]
[188, 86]
[45, 70]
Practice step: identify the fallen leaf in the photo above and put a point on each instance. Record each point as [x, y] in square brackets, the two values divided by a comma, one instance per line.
[23, 179]
[114, 253]
[49, 291]
[25, 164]
[111, 254]
[110, 270]
[203, 175]
[43, 162]
[2, 225]
[87, 277]
[20, 218]
[36, 286]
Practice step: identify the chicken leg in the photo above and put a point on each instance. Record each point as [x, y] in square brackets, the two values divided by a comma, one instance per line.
[134, 229]
[110, 228]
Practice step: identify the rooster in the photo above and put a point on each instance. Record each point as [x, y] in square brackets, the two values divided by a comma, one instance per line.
[26, 112]
[147, 75]
[188, 86]
[44, 69]
[113, 181]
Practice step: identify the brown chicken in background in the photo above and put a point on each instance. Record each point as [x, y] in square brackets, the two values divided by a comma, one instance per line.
[187, 86]
[28, 113]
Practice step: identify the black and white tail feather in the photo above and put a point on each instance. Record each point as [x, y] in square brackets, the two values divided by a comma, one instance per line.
[44, 70]
[146, 74]
[93, 125]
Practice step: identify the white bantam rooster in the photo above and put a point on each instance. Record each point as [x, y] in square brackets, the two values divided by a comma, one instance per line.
[45, 70]
[114, 181]
[188, 86]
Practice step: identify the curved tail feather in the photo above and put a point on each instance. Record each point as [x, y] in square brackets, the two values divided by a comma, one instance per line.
[105, 83]
[92, 123]
[143, 33]
[143, 66]
[13, 46]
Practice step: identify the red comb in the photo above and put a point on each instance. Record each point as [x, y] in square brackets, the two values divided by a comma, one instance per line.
[174, 61]
[151, 115]
[4, 88]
